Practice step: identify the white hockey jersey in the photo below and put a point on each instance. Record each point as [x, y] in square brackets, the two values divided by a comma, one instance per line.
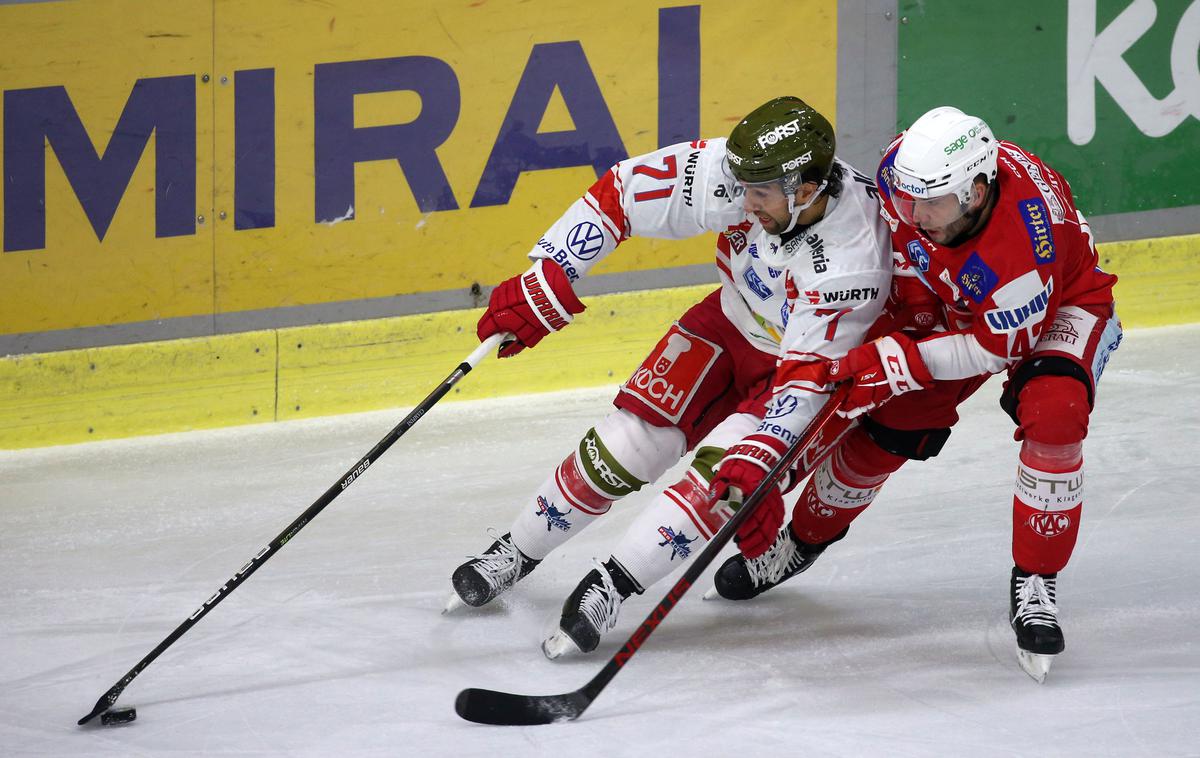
[819, 307]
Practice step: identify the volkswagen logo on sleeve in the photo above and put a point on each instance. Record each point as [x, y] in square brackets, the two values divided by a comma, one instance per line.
[585, 240]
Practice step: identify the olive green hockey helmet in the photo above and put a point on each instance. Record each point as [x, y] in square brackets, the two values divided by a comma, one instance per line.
[783, 140]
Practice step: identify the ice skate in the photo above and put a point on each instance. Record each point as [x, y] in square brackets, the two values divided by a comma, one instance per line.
[591, 610]
[742, 579]
[484, 577]
[1034, 617]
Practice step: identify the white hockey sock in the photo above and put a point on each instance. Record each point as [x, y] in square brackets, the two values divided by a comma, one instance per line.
[667, 532]
[617, 457]
[562, 507]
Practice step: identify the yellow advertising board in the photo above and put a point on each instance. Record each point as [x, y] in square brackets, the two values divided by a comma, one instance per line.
[98, 228]
[167, 159]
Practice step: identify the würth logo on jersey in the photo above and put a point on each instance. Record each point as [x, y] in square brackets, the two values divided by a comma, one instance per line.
[555, 519]
[538, 298]
[856, 293]
[1050, 524]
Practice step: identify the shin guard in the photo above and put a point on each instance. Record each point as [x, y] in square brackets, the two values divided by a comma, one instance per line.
[1048, 494]
[842, 487]
[673, 526]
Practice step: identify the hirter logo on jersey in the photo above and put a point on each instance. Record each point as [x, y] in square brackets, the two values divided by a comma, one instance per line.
[1037, 224]
[976, 279]
[919, 256]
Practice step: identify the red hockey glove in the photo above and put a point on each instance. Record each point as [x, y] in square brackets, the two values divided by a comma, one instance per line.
[530, 306]
[738, 474]
[878, 371]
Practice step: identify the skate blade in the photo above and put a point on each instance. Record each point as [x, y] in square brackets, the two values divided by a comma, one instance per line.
[712, 594]
[1035, 664]
[453, 603]
[557, 645]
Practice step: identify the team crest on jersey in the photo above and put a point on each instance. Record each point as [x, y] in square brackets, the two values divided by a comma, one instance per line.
[976, 279]
[918, 255]
[585, 240]
[555, 519]
[677, 541]
[756, 284]
[737, 240]
[1037, 224]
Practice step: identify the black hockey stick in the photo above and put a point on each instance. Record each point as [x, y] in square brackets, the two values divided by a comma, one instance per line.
[109, 698]
[508, 709]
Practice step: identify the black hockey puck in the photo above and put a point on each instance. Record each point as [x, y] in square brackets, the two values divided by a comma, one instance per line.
[118, 716]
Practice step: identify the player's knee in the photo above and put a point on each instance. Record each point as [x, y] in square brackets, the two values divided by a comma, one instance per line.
[706, 459]
[865, 457]
[1054, 410]
[644, 450]
[911, 444]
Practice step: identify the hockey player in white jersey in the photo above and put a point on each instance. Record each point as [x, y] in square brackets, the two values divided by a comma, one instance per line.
[803, 258]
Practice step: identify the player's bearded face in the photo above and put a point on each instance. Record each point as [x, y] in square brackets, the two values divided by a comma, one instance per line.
[941, 219]
[768, 203]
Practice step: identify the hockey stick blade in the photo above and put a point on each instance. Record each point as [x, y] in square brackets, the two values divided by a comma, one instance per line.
[507, 709]
[101, 706]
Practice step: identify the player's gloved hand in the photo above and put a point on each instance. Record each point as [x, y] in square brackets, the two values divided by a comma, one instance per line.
[738, 474]
[530, 305]
[878, 371]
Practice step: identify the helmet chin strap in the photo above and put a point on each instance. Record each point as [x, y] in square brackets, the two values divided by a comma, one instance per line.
[795, 210]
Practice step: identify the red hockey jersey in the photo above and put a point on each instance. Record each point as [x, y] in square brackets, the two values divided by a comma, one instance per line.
[1004, 285]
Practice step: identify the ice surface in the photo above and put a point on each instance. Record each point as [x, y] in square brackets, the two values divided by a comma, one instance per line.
[895, 644]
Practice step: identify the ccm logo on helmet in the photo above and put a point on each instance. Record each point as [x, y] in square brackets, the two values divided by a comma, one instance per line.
[778, 133]
[798, 162]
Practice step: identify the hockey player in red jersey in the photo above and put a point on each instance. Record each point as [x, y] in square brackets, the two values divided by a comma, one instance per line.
[804, 261]
[994, 233]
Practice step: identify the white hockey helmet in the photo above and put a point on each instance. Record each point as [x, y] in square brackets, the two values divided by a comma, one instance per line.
[940, 155]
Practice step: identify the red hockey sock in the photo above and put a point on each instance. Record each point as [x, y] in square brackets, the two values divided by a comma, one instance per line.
[1048, 494]
[1047, 504]
[842, 487]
